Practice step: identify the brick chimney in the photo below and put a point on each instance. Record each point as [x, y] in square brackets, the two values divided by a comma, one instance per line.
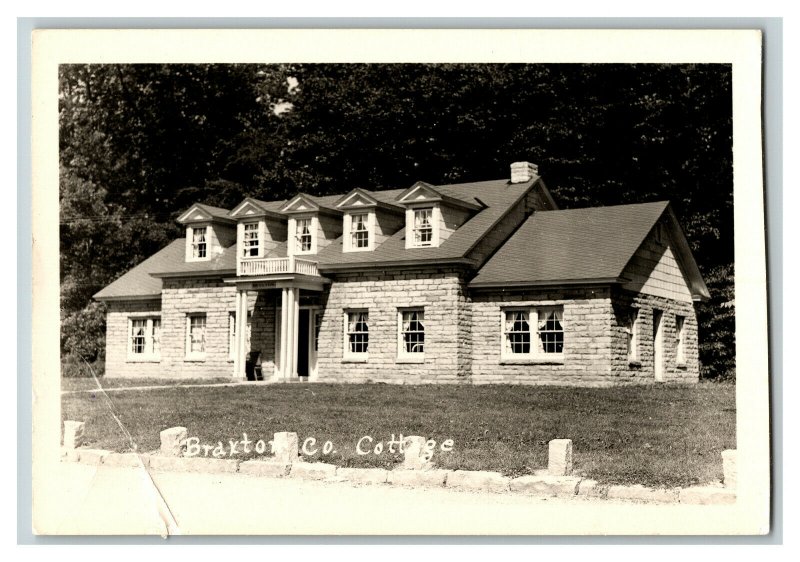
[523, 171]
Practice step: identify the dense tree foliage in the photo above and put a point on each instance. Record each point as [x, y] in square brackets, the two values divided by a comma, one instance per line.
[140, 143]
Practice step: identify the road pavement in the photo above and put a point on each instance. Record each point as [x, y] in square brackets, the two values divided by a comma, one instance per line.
[83, 499]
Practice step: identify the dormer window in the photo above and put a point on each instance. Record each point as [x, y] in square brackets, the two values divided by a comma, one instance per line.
[304, 236]
[422, 234]
[250, 243]
[359, 231]
[199, 247]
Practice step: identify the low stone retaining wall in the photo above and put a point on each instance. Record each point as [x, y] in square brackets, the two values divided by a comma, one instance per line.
[556, 481]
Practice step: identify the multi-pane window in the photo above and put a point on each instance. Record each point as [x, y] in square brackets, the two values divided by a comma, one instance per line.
[551, 331]
[199, 247]
[631, 328]
[232, 334]
[156, 329]
[250, 242]
[138, 335]
[518, 332]
[359, 231]
[303, 235]
[412, 332]
[144, 338]
[680, 336]
[423, 227]
[533, 332]
[357, 332]
[196, 335]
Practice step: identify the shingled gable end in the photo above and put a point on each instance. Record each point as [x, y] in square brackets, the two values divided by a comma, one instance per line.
[484, 282]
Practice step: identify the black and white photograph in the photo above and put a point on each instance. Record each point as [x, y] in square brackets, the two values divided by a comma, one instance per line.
[345, 296]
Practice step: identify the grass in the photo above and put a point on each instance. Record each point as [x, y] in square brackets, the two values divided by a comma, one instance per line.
[659, 436]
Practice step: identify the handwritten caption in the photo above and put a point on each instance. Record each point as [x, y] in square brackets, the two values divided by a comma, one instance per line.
[367, 445]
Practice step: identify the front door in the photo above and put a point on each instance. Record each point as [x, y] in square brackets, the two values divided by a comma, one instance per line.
[658, 345]
[303, 330]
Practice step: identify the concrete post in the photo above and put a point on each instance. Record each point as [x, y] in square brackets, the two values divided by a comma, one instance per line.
[285, 447]
[414, 451]
[729, 470]
[173, 441]
[559, 461]
[73, 434]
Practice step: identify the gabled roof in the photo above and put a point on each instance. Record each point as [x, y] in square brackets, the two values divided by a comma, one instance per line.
[590, 245]
[202, 212]
[253, 208]
[361, 199]
[304, 203]
[422, 192]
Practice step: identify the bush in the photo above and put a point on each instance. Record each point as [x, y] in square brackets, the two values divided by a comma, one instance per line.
[83, 333]
[717, 323]
[73, 366]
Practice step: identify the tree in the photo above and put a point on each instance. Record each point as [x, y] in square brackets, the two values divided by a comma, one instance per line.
[140, 143]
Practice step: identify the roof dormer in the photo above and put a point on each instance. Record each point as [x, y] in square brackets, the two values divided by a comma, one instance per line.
[432, 216]
[209, 230]
[311, 226]
[259, 229]
[367, 222]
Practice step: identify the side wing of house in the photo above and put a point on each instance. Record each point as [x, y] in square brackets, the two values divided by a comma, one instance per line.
[596, 296]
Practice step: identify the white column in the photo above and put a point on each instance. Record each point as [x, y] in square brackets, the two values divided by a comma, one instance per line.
[284, 331]
[241, 333]
[296, 328]
[291, 336]
[235, 349]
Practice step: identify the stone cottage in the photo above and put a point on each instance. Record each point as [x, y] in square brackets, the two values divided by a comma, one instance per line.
[484, 282]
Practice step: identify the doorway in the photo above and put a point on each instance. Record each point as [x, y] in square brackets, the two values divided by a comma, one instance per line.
[303, 339]
[658, 345]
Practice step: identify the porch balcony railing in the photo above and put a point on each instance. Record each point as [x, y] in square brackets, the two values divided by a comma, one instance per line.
[267, 266]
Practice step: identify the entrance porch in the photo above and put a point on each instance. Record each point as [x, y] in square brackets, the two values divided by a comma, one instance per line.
[295, 326]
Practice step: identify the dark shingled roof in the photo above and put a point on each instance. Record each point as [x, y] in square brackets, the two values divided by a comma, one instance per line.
[498, 196]
[571, 245]
[138, 282]
[217, 212]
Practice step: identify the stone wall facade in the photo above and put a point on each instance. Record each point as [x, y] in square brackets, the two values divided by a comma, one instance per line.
[117, 339]
[440, 293]
[642, 368]
[586, 359]
[595, 338]
[179, 299]
[463, 332]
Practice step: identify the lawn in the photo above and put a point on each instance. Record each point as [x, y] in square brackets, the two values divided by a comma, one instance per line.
[652, 435]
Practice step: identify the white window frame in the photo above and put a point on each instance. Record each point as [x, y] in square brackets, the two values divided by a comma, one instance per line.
[632, 335]
[152, 339]
[196, 245]
[369, 224]
[232, 333]
[680, 339]
[432, 227]
[403, 355]
[535, 352]
[196, 355]
[247, 241]
[312, 227]
[359, 356]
